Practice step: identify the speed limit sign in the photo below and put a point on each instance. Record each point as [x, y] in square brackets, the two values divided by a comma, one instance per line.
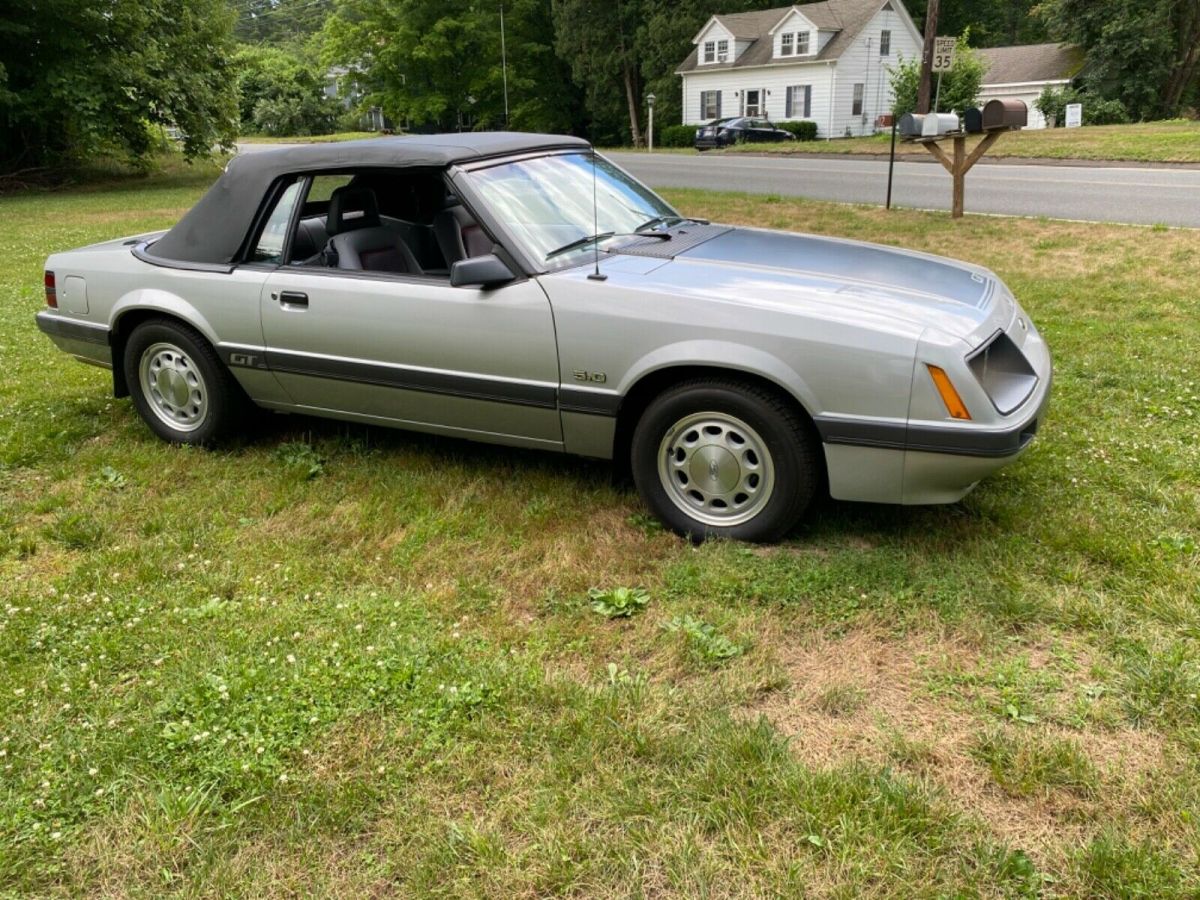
[943, 53]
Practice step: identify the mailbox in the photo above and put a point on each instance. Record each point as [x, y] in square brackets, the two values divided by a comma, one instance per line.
[973, 120]
[937, 124]
[910, 124]
[1001, 114]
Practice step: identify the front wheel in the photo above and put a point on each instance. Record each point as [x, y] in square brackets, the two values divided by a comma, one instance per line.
[178, 385]
[716, 458]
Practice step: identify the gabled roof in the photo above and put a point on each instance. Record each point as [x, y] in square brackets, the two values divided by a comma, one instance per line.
[846, 18]
[1030, 63]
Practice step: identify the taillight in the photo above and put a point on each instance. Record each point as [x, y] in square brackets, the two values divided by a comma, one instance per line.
[51, 291]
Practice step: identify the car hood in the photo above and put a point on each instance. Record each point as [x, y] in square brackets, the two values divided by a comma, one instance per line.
[764, 267]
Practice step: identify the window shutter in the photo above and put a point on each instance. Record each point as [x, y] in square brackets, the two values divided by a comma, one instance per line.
[703, 105]
[787, 104]
[808, 101]
[718, 93]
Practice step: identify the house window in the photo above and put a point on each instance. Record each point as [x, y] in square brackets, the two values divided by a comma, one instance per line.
[753, 103]
[799, 102]
[722, 51]
[857, 109]
[787, 44]
[710, 105]
[710, 51]
[885, 43]
[802, 43]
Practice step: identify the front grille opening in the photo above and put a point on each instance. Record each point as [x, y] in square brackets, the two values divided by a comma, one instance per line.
[1004, 372]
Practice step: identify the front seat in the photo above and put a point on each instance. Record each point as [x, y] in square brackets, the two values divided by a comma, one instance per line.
[458, 234]
[359, 240]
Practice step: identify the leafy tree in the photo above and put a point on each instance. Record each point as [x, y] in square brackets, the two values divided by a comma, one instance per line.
[993, 23]
[1145, 53]
[280, 93]
[438, 63]
[82, 77]
[960, 85]
[276, 22]
[599, 38]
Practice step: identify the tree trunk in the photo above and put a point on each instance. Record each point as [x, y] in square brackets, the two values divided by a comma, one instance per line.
[1184, 68]
[631, 98]
[630, 77]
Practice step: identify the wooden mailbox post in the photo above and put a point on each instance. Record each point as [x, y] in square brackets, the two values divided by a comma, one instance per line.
[961, 164]
[996, 117]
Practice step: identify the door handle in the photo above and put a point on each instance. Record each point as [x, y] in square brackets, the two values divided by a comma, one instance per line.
[293, 298]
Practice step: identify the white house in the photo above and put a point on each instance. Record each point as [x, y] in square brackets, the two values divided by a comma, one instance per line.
[1023, 72]
[826, 61]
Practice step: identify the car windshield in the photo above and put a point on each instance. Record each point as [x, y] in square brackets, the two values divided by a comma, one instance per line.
[547, 204]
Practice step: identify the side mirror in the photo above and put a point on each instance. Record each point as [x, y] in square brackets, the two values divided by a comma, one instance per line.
[488, 270]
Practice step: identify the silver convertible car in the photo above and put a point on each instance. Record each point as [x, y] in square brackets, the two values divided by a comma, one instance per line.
[520, 289]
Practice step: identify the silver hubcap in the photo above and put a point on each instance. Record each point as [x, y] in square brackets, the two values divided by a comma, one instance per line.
[716, 468]
[173, 387]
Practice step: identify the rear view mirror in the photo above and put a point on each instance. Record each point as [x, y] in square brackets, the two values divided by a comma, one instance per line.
[488, 270]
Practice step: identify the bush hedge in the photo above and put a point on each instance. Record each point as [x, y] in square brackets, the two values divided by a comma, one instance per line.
[676, 136]
[804, 130]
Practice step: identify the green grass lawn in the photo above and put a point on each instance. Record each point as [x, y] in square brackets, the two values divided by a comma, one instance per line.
[337, 660]
[1176, 141]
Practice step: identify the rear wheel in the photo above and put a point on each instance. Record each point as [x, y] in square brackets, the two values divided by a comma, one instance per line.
[716, 458]
[178, 385]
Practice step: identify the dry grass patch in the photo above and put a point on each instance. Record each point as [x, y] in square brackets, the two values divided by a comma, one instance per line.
[867, 697]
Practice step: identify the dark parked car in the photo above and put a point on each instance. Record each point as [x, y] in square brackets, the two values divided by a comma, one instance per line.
[741, 130]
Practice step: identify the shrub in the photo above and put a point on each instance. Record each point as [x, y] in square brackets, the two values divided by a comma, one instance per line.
[1053, 104]
[804, 130]
[1103, 112]
[676, 136]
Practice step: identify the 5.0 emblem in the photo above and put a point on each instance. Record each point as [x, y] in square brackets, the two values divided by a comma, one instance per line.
[594, 377]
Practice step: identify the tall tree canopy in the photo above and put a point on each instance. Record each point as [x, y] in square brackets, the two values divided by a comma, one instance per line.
[1145, 53]
[79, 77]
[438, 65]
[993, 23]
[279, 21]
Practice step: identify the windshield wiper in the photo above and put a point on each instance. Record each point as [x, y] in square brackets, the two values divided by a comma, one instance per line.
[663, 220]
[602, 236]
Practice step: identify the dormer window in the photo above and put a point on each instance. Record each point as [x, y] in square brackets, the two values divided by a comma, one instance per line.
[787, 44]
[710, 51]
[802, 43]
[722, 51]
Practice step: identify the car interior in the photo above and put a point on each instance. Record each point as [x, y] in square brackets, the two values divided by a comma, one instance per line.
[391, 221]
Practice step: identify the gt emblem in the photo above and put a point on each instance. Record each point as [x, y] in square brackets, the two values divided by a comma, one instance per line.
[595, 377]
[243, 359]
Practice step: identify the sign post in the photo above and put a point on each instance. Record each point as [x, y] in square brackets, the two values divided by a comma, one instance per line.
[650, 98]
[943, 61]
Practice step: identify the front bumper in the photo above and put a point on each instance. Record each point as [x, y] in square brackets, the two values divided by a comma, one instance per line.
[893, 461]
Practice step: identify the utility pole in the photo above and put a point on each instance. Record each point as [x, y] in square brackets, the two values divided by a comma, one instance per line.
[504, 63]
[931, 25]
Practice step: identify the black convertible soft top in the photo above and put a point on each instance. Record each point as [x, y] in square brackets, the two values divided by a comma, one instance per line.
[213, 231]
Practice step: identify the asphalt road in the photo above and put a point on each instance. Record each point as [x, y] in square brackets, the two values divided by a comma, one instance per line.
[1091, 193]
[1145, 196]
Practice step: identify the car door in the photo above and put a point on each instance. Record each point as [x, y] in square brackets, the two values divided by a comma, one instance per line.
[415, 352]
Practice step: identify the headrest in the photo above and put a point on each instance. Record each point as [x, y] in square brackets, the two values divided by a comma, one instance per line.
[351, 208]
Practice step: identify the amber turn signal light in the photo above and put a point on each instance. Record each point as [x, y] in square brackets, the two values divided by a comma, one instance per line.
[945, 388]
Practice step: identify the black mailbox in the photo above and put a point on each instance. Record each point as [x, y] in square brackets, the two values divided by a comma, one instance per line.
[973, 120]
[999, 114]
[911, 124]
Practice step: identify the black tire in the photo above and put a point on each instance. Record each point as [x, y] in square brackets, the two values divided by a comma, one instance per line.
[224, 403]
[788, 436]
